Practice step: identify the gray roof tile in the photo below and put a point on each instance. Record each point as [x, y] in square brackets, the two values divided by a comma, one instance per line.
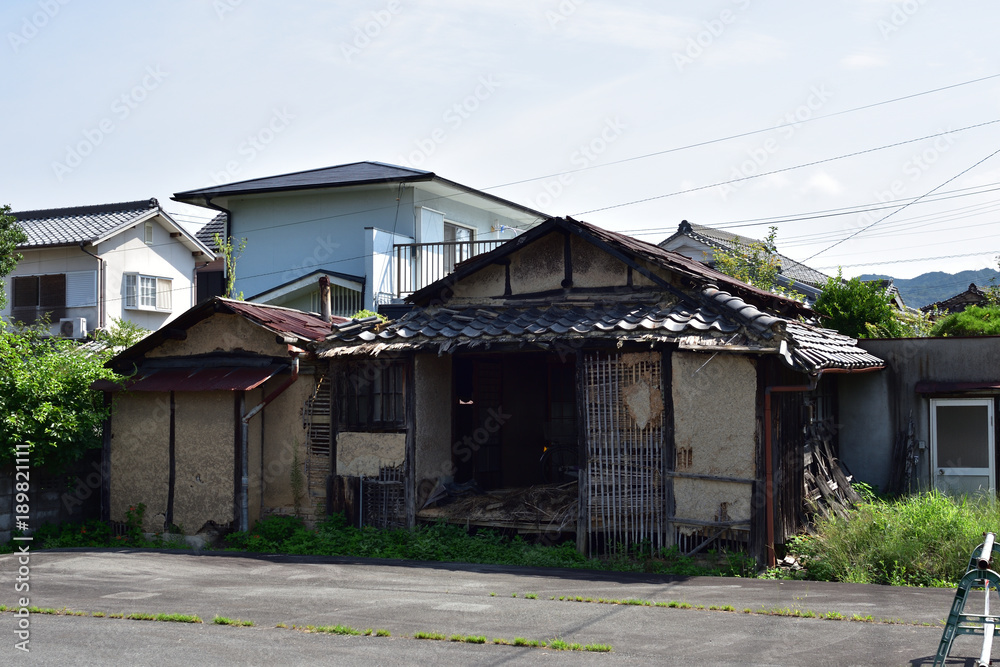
[79, 224]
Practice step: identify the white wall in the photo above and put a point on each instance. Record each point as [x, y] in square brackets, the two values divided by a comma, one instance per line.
[165, 258]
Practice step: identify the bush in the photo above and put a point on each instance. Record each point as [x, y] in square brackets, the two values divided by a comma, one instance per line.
[920, 540]
[973, 321]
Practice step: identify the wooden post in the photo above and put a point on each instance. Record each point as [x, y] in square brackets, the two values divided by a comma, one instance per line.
[669, 446]
[583, 481]
[410, 457]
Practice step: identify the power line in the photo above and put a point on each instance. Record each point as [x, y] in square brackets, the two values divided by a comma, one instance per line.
[800, 166]
[906, 261]
[867, 227]
[823, 213]
[738, 136]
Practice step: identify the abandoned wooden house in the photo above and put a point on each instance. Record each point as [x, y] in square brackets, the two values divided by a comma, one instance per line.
[217, 424]
[590, 384]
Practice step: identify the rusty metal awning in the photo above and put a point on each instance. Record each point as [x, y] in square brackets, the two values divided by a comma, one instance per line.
[932, 387]
[222, 378]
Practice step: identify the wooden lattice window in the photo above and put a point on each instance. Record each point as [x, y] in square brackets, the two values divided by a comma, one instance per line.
[372, 396]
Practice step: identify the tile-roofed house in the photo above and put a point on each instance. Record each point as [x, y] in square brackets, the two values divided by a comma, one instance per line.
[391, 229]
[83, 266]
[700, 243]
[206, 233]
[974, 296]
[626, 370]
[215, 411]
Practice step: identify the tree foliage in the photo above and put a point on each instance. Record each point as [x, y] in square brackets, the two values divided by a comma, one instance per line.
[973, 321]
[231, 250]
[46, 401]
[11, 236]
[859, 309]
[754, 263]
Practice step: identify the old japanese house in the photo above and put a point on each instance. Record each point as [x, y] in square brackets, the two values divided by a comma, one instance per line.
[579, 381]
[224, 419]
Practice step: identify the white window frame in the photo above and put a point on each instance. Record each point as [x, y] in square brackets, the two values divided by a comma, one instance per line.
[144, 292]
[147, 232]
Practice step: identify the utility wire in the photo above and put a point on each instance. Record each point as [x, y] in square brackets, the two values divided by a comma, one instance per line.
[740, 135]
[888, 215]
[800, 166]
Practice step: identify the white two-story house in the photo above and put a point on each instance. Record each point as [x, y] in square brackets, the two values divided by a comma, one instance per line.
[84, 266]
[378, 232]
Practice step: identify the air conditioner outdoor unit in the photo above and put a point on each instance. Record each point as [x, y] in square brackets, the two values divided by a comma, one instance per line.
[73, 327]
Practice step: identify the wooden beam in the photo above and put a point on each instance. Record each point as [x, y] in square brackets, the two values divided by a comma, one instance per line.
[583, 484]
[567, 260]
[714, 478]
[410, 456]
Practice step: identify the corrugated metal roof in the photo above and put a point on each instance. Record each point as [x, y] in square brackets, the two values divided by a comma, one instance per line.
[284, 320]
[79, 224]
[239, 378]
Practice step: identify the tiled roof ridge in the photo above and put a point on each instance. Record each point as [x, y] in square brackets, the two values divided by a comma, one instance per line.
[76, 211]
[759, 321]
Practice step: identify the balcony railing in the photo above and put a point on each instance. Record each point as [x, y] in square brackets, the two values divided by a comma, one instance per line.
[417, 265]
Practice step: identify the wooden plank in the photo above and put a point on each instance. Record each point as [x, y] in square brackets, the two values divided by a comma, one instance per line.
[583, 485]
[409, 464]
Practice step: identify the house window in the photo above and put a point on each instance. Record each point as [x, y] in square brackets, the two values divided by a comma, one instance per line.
[459, 242]
[371, 397]
[51, 294]
[147, 233]
[147, 292]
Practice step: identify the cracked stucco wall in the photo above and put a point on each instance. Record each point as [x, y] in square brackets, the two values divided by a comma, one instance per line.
[715, 401]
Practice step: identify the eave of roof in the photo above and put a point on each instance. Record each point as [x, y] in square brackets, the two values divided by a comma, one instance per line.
[287, 322]
[298, 181]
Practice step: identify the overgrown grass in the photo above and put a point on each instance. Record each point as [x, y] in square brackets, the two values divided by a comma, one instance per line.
[920, 540]
[451, 543]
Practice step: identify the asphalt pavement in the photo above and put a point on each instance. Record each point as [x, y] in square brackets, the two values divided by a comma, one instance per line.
[902, 626]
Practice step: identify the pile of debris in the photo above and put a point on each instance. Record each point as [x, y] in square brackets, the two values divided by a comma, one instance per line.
[547, 507]
[828, 489]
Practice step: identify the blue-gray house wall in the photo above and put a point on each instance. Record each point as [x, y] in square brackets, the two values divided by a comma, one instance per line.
[346, 230]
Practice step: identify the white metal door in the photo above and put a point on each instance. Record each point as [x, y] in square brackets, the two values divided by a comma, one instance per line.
[962, 445]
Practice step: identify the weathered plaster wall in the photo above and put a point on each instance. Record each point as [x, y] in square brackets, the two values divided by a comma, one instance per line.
[255, 437]
[875, 407]
[592, 267]
[284, 434]
[364, 453]
[540, 267]
[140, 462]
[222, 333]
[714, 433]
[433, 416]
[204, 459]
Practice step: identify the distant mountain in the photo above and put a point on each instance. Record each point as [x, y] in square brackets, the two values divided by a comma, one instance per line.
[937, 286]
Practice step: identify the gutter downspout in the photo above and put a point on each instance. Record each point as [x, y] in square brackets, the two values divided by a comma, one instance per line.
[768, 436]
[245, 437]
[101, 306]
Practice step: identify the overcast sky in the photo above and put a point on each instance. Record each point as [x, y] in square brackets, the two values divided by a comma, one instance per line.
[607, 111]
